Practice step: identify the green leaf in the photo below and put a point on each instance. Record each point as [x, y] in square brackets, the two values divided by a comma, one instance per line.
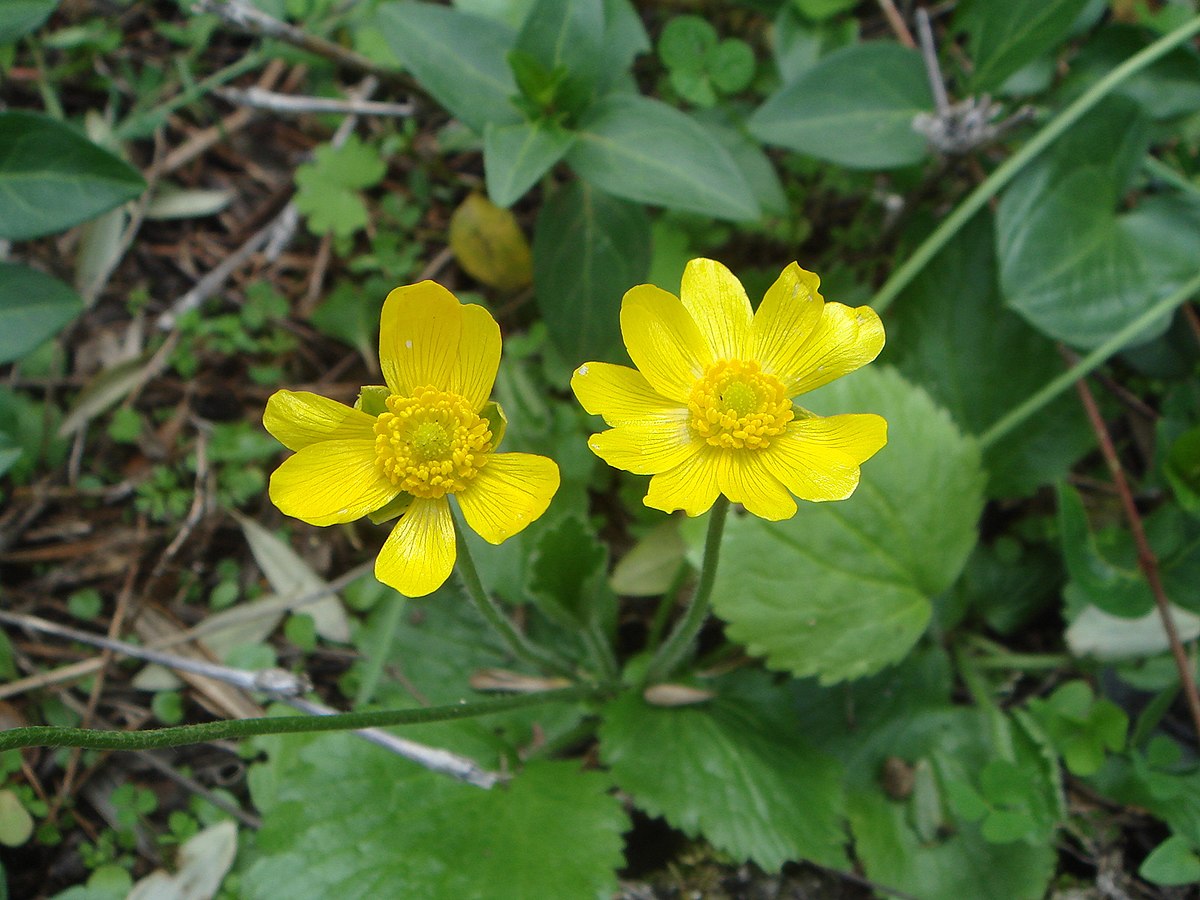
[624, 38]
[566, 33]
[32, 427]
[749, 157]
[1119, 590]
[854, 108]
[16, 825]
[588, 249]
[516, 156]
[1173, 862]
[33, 308]
[731, 66]
[350, 313]
[328, 186]
[19, 17]
[644, 150]
[843, 589]
[818, 10]
[52, 177]
[1069, 263]
[684, 43]
[652, 565]
[919, 841]
[951, 333]
[459, 58]
[736, 770]
[1003, 37]
[800, 44]
[393, 829]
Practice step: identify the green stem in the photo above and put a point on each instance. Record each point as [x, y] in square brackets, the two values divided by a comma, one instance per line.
[1010, 167]
[1159, 170]
[677, 645]
[602, 650]
[95, 739]
[521, 646]
[1092, 361]
[663, 612]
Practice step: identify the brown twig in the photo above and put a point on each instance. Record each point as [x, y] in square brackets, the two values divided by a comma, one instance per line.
[896, 21]
[1147, 560]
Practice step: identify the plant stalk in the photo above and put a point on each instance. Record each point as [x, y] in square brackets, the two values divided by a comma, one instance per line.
[680, 641]
[153, 739]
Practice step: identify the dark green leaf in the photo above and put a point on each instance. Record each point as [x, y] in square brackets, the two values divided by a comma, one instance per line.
[644, 150]
[854, 108]
[588, 249]
[567, 575]
[1069, 263]
[459, 58]
[566, 33]
[843, 589]
[52, 177]
[800, 44]
[737, 770]
[344, 818]
[951, 333]
[1120, 590]
[516, 156]
[19, 17]
[33, 308]
[1003, 37]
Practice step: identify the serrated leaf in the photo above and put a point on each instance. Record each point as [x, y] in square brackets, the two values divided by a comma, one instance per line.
[1004, 37]
[516, 156]
[328, 186]
[566, 575]
[52, 177]
[645, 150]
[19, 17]
[488, 243]
[1069, 263]
[736, 770]
[33, 308]
[393, 829]
[843, 589]
[588, 250]
[854, 108]
[952, 334]
[457, 57]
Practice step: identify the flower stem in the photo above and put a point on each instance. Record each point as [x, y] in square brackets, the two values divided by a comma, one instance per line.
[521, 646]
[676, 646]
[97, 739]
[1009, 168]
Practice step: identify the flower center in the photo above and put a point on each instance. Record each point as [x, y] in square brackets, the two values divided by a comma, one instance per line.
[432, 443]
[735, 405]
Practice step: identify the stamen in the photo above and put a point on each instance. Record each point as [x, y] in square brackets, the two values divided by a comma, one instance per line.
[737, 406]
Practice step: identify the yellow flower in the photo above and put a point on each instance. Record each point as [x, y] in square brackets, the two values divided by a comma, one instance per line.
[710, 411]
[408, 446]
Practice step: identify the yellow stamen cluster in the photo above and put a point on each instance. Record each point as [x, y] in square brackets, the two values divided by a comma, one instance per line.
[431, 443]
[736, 405]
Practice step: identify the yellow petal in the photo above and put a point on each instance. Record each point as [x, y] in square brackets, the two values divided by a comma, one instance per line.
[478, 356]
[845, 339]
[785, 319]
[818, 458]
[418, 555]
[511, 491]
[331, 482]
[690, 486]
[419, 333]
[744, 478]
[299, 418]
[719, 305]
[646, 449]
[663, 341]
[621, 394]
